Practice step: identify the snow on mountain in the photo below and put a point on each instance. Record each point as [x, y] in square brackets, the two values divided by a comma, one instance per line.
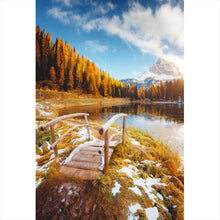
[151, 75]
[161, 70]
[165, 67]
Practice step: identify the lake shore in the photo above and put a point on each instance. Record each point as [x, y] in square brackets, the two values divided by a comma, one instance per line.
[55, 100]
[53, 103]
[60, 99]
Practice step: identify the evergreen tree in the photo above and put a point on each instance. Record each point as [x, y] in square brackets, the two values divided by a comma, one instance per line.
[62, 76]
[52, 74]
[109, 86]
[70, 79]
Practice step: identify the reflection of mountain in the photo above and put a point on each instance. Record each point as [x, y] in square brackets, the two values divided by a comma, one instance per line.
[167, 112]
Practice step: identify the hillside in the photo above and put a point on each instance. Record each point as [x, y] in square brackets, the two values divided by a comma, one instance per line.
[60, 67]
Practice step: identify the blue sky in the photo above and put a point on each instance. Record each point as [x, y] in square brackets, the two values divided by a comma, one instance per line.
[124, 38]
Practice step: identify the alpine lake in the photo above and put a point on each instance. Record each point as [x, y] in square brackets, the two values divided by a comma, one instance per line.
[164, 121]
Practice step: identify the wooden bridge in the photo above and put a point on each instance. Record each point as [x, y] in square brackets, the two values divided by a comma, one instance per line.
[89, 160]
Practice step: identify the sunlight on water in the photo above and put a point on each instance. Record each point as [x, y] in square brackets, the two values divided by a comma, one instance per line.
[163, 121]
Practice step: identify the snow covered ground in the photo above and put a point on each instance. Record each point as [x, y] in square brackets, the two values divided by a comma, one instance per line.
[141, 185]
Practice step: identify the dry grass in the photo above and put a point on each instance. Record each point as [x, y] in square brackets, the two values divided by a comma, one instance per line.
[168, 171]
[153, 150]
[54, 99]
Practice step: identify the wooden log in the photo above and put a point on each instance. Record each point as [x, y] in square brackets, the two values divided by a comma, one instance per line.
[108, 124]
[106, 150]
[61, 137]
[87, 125]
[55, 146]
[52, 122]
[123, 131]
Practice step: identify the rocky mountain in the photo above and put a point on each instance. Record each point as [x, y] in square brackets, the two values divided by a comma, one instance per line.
[164, 67]
[161, 70]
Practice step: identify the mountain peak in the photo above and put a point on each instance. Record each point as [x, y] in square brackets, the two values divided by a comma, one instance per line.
[160, 60]
[163, 66]
[161, 70]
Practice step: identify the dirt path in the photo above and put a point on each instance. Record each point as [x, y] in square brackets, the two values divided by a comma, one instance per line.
[63, 199]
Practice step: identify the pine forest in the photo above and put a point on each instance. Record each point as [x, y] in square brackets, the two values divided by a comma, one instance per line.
[59, 66]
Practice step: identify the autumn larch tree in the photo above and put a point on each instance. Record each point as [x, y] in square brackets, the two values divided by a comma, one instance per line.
[62, 76]
[52, 74]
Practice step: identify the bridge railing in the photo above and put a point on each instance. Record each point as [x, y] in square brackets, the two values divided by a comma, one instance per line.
[105, 130]
[58, 119]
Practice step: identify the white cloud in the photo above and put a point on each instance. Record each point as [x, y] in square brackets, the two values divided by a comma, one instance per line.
[67, 17]
[57, 13]
[102, 8]
[110, 5]
[65, 2]
[95, 46]
[138, 26]
[145, 30]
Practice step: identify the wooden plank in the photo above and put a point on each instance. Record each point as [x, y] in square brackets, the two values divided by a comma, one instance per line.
[92, 149]
[88, 157]
[79, 173]
[95, 153]
[97, 161]
[91, 158]
[83, 165]
[89, 148]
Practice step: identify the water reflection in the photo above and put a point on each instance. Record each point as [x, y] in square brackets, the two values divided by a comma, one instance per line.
[164, 121]
[169, 113]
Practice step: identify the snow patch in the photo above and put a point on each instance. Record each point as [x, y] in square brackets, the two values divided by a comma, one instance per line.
[146, 184]
[41, 108]
[133, 141]
[147, 161]
[160, 196]
[38, 182]
[116, 188]
[61, 189]
[59, 152]
[129, 170]
[164, 207]
[102, 163]
[70, 192]
[44, 167]
[158, 164]
[132, 209]
[136, 190]
[152, 213]
[127, 160]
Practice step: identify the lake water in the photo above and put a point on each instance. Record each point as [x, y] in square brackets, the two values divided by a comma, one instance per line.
[164, 121]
